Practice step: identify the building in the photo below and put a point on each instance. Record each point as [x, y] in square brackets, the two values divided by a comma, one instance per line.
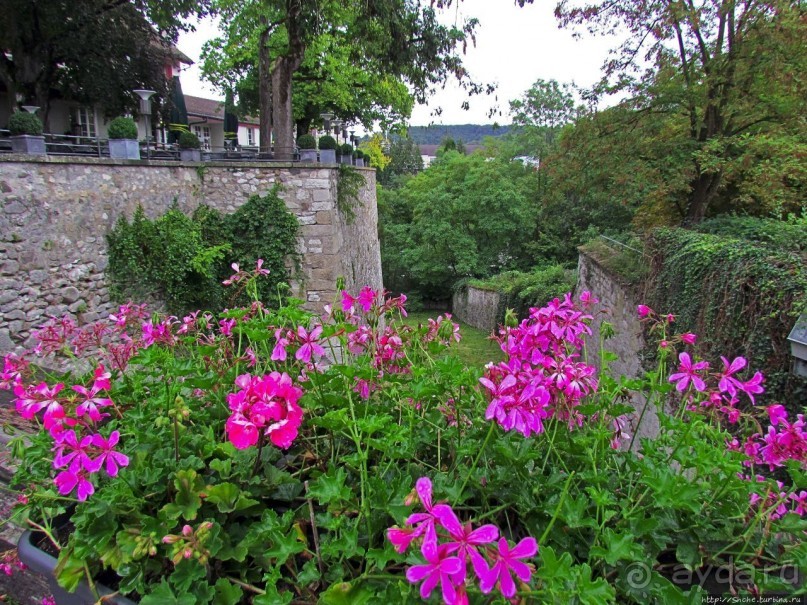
[206, 120]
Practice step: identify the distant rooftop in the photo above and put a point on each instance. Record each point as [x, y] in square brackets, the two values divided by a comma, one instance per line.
[212, 110]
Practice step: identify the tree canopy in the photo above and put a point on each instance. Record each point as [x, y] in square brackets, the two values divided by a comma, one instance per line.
[93, 51]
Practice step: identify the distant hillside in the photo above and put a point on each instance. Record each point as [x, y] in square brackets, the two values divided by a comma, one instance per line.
[468, 133]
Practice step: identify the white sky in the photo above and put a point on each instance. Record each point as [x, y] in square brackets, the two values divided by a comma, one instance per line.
[515, 46]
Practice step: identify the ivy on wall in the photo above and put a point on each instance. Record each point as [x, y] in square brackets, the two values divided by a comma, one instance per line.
[182, 260]
[742, 296]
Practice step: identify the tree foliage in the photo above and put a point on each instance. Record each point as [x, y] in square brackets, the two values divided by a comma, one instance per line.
[93, 51]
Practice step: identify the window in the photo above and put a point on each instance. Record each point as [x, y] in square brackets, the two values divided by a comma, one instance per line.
[203, 132]
[84, 122]
[250, 137]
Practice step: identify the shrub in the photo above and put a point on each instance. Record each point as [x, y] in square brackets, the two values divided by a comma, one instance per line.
[122, 128]
[229, 460]
[306, 141]
[346, 149]
[327, 142]
[188, 140]
[22, 122]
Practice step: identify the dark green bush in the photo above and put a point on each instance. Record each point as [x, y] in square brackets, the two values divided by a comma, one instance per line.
[22, 122]
[182, 260]
[521, 290]
[188, 140]
[346, 149]
[790, 235]
[743, 296]
[122, 128]
[306, 141]
[327, 142]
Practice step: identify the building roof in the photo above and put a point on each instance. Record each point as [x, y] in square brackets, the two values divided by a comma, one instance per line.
[212, 110]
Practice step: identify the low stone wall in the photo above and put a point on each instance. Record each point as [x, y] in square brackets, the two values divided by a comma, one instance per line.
[56, 211]
[618, 303]
[477, 307]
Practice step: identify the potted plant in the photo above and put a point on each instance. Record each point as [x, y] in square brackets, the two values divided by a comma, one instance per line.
[229, 460]
[346, 156]
[307, 145]
[189, 147]
[359, 158]
[123, 145]
[327, 149]
[26, 133]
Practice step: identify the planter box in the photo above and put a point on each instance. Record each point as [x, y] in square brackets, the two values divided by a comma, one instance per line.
[308, 155]
[327, 156]
[359, 162]
[124, 149]
[190, 155]
[28, 143]
[345, 159]
[41, 562]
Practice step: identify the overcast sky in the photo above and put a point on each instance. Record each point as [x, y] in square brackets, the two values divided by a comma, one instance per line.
[515, 46]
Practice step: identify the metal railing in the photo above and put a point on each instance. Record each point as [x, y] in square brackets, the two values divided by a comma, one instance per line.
[82, 146]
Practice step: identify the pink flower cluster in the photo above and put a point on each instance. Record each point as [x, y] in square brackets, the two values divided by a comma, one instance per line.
[542, 376]
[10, 562]
[449, 545]
[264, 404]
[783, 441]
[72, 421]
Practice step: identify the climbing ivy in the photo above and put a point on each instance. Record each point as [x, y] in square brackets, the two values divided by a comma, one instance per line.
[182, 259]
[744, 295]
[349, 183]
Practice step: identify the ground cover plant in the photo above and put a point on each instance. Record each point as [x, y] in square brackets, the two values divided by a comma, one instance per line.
[274, 456]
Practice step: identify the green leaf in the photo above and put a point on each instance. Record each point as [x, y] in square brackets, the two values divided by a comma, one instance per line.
[227, 593]
[618, 547]
[186, 574]
[187, 501]
[163, 595]
[228, 497]
[345, 593]
[330, 488]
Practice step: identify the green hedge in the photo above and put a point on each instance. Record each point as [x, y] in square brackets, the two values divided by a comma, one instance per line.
[182, 259]
[521, 290]
[745, 296]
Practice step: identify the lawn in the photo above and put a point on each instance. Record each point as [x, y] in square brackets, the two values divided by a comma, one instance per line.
[475, 348]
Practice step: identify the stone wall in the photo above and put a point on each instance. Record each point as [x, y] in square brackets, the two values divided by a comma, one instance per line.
[56, 211]
[477, 307]
[618, 303]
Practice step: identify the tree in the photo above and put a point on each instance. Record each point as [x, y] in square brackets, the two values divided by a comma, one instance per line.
[391, 42]
[91, 51]
[405, 159]
[722, 73]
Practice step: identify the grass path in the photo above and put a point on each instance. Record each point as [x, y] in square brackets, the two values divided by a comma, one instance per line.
[475, 348]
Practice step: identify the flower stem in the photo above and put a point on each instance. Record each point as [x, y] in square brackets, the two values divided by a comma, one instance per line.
[478, 456]
[557, 509]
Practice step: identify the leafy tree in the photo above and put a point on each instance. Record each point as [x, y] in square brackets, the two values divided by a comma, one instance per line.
[463, 217]
[367, 49]
[94, 51]
[374, 148]
[724, 84]
[405, 159]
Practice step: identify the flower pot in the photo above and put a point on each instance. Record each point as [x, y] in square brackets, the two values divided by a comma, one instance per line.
[360, 162]
[27, 143]
[308, 155]
[124, 149]
[190, 155]
[345, 159]
[43, 563]
[327, 156]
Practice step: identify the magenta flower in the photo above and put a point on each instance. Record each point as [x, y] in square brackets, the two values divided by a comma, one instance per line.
[643, 311]
[67, 481]
[366, 298]
[507, 560]
[689, 338]
[108, 455]
[753, 386]
[438, 570]
[70, 451]
[91, 402]
[34, 399]
[226, 326]
[279, 352]
[464, 541]
[348, 302]
[777, 414]
[259, 270]
[310, 345]
[688, 373]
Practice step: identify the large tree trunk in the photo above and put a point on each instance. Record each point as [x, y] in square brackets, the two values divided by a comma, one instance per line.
[282, 74]
[704, 189]
[265, 93]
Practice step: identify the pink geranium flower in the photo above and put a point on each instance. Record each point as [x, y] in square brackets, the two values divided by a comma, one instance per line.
[438, 570]
[68, 480]
[507, 560]
[107, 455]
[310, 345]
[688, 373]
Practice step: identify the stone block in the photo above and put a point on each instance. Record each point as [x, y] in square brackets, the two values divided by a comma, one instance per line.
[70, 295]
[10, 267]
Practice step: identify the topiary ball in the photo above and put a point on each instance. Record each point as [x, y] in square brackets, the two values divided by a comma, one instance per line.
[346, 149]
[122, 128]
[306, 141]
[327, 142]
[24, 123]
[188, 140]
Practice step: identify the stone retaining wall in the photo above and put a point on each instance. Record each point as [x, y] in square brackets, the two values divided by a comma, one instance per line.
[56, 211]
[477, 307]
[618, 303]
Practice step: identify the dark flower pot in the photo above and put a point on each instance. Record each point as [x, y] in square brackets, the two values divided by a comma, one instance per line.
[327, 156]
[43, 563]
[27, 143]
[308, 155]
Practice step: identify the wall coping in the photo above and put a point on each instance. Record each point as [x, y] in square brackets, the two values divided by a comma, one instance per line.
[20, 158]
